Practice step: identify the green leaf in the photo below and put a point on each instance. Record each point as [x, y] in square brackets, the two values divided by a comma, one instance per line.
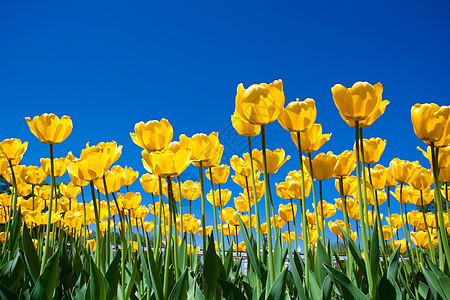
[210, 271]
[321, 257]
[374, 254]
[47, 281]
[278, 289]
[437, 280]
[230, 291]
[96, 282]
[179, 291]
[297, 274]
[13, 272]
[15, 232]
[354, 250]
[387, 286]
[6, 293]
[251, 256]
[182, 253]
[327, 287]
[31, 257]
[314, 289]
[155, 277]
[228, 264]
[345, 286]
[112, 277]
[130, 284]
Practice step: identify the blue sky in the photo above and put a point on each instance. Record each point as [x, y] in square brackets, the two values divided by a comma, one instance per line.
[109, 65]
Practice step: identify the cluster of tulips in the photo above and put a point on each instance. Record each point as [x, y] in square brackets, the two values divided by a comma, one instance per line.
[162, 248]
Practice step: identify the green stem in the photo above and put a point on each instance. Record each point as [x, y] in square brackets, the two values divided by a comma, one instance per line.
[202, 185]
[174, 215]
[295, 226]
[49, 219]
[267, 205]
[304, 217]
[258, 223]
[97, 225]
[321, 211]
[160, 209]
[404, 225]
[216, 230]
[314, 196]
[108, 246]
[181, 205]
[430, 244]
[249, 208]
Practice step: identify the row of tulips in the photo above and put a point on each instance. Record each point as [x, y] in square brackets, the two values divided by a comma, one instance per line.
[165, 264]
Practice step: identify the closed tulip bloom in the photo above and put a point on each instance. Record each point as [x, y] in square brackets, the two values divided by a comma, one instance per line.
[407, 193]
[275, 159]
[190, 190]
[259, 192]
[277, 222]
[420, 239]
[443, 158]
[323, 165]
[298, 116]
[220, 174]
[175, 190]
[241, 204]
[260, 104]
[288, 237]
[43, 191]
[114, 181]
[167, 163]
[429, 121]
[379, 175]
[59, 166]
[334, 228]
[32, 174]
[282, 190]
[153, 135]
[240, 166]
[311, 217]
[243, 127]
[295, 187]
[402, 243]
[4, 164]
[50, 129]
[396, 221]
[372, 217]
[387, 232]
[329, 209]
[246, 220]
[404, 171]
[204, 148]
[129, 174]
[423, 180]
[263, 228]
[372, 118]
[155, 210]
[390, 179]
[225, 196]
[353, 212]
[229, 229]
[69, 190]
[373, 148]
[239, 247]
[129, 200]
[150, 183]
[349, 186]
[444, 174]
[13, 150]
[312, 139]
[287, 212]
[23, 189]
[358, 102]
[346, 163]
[139, 212]
[230, 216]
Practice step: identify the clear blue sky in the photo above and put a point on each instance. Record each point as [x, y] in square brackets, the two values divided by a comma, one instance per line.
[111, 64]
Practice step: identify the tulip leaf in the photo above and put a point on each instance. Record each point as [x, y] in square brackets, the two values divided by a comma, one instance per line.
[112, 277]
[278, 289]
[250, 253]
[437, 280]
[346, 287]
[12, 272]
[327, 288]
[97, 286]
[321, 257]
[356, 254]
[374, 254]
[31, 257]
[230, 291]
[15, 231]
[228, 264]
[210, 271]
[314, 289]
[130, 284]
[297, 274]
[47, 281]
[6, 293]
[179, 291]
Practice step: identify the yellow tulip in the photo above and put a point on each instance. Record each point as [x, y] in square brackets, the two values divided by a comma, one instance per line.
[295, 187]
[329, 209]
[390, 179]
[443, 158]
[241, 204]
[150, 183]
[239, 247]
[23, 189]
[260, 104]
[243, 127]
[129, 175]
[43, 191]
[373, 148]
[167, 163]
[50, 129]
[220, 174]
[372, 118]
[225, 196]
[359, 102]
[275, 159]
[263, 228]
[139, 212]
[402, 243]
[209, 230]
[246, 220]
[323, 165]
[190, 190]
[129, 200]
[396, 221]
[423, 179]
[282, 190]
[59, 166]
[312, 139]
[4, 164]
[153, 135]
[13, 150]
[420, 239]
[349, 186]
[298, 116]
[346, 163]
[114, 181]
[204, 148]
[404, 171]
[379, 176]
[91, 244]
[148, 226]
[155, 209]
[429, 121]
[387, 232]
[407, 193]
[311, 217]
[32, 174]
[287, 212]
[230, 216]
[277, 222]
[288, 237]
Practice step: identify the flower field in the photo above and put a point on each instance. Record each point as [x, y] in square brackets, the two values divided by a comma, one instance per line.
[93, 238]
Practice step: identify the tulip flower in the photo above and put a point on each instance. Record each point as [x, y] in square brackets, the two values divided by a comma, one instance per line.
[373, 148]
[32, 174]
[204, 148]
[13, 150]
[277, 222]
[129, 200]
[378, 176]
[59, 166]
[150, 183]
[349, 186]
[129, 175]
[288, 237]
[167, 163]
[50, 129]
[323, 165]
[260, 104]
[241, 204]
[404, 171]
[275, 160]
[312, 139]
[388, 232]
[153, 135]
[239, 247]
[190, 190]
[243, 127]
[287, 212]
[429, 121]
[298, 116]
[402, 243]
[423, 179]
[443, 159]
[329, 209]
[230, 216]
[220, 174]
[345, 165]
[219, 201]
[69, 190]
